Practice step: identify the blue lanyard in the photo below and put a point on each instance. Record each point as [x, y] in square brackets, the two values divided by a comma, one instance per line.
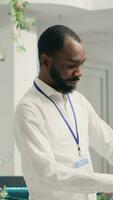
[76, 137]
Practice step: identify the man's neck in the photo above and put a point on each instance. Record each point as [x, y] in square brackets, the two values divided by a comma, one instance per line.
[47, 81]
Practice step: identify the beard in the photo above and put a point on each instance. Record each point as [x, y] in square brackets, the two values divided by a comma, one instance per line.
[62, 85]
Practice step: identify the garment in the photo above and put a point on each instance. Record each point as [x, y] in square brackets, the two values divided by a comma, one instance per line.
[49, 151]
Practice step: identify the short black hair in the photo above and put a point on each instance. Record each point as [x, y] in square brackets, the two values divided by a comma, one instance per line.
[52, 39]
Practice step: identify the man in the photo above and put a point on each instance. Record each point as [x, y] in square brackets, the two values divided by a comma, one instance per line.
[55, 125]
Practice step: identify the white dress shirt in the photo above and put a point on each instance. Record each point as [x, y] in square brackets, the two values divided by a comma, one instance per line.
[49, 151]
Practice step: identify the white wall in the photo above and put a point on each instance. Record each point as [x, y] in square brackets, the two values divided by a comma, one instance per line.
[102, 55]
[6, 98]
[25, 64]
[17, 73]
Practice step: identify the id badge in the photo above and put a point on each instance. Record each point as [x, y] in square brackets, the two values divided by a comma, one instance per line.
[81, 162]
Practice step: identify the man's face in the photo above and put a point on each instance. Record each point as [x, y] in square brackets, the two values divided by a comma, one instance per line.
[63, 85]
[65, 69]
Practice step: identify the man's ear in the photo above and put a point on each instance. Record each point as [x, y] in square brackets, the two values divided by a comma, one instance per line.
[45, 60]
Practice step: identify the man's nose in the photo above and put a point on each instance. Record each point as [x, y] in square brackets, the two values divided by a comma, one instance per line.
[77, 72]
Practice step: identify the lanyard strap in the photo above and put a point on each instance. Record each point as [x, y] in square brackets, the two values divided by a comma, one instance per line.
[76, 137]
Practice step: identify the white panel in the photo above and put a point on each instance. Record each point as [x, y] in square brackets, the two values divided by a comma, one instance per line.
[94, 86]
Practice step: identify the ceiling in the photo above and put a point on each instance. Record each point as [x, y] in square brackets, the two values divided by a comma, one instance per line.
[86, 22]
[85, 4]
[83, 21]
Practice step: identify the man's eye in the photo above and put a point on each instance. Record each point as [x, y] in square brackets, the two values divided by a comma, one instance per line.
[72, 66]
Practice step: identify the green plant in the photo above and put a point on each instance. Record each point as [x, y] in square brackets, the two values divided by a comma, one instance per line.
[17, 13]
[103, 196]
[21, 22]
[4, 195]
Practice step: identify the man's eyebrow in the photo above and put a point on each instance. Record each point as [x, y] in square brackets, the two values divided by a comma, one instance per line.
[77, 61]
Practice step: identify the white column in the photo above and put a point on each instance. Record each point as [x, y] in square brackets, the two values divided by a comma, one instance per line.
[6, 98]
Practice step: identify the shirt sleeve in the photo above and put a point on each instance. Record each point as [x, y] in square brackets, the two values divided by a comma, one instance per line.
[101, 135]
[31, 136]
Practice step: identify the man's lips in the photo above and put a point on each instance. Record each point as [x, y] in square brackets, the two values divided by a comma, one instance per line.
[73, 80]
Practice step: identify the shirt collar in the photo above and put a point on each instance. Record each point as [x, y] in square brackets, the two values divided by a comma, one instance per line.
[49, 91]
